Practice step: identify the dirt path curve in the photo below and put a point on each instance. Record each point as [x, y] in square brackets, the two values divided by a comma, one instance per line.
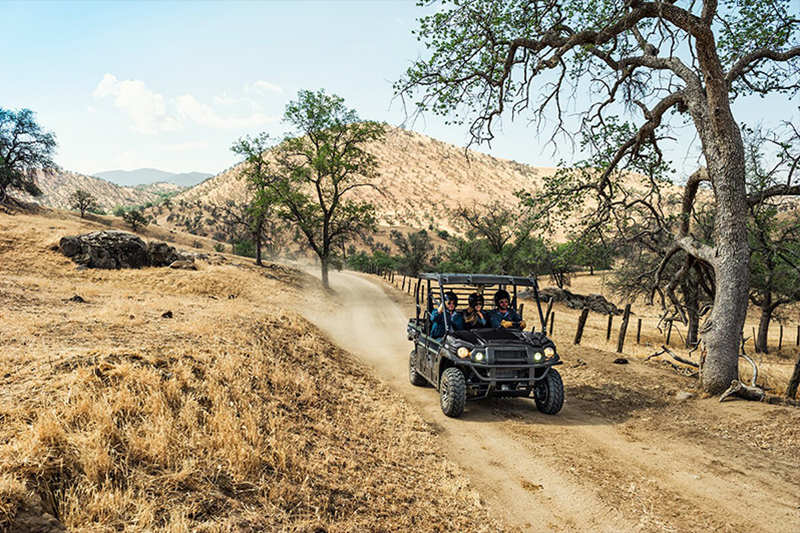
[579, 470]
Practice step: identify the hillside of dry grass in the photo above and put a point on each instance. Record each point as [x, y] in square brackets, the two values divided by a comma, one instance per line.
[59, 185]
[234, 414]
[419, 178]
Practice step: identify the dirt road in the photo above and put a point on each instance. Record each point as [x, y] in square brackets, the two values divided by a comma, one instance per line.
[625, 454]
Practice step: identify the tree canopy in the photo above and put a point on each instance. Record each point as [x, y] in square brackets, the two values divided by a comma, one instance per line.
[310, 176]
[24, 148]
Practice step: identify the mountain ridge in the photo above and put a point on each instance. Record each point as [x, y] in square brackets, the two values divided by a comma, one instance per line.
[146, 176]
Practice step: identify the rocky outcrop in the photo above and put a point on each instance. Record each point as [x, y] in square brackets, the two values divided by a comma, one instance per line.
[162, 254]
[118, 249]
[595, 302]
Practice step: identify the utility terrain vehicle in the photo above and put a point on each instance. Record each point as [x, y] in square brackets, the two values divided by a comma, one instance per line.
[479, 363]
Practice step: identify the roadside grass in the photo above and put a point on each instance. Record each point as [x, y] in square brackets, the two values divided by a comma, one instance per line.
[233, 415]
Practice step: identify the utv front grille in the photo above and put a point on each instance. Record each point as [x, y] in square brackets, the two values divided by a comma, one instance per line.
[509, 356]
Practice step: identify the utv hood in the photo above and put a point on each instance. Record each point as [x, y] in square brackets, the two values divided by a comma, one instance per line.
[481, 337]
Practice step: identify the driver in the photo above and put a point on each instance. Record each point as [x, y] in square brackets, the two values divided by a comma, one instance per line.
[502, 316]
[454, 317]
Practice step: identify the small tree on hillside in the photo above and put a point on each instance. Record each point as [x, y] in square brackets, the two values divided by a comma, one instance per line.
[24, 149]
[316, 171]
[415, 250]
[135, 218]
[83, 201]
[258, 175]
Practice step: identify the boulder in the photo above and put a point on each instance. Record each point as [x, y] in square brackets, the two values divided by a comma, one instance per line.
[595, 302]
[162, 254]
[106, 249]
[185, 265]
[118, 249]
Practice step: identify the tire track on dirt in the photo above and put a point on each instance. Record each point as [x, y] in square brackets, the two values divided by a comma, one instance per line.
[578, 470]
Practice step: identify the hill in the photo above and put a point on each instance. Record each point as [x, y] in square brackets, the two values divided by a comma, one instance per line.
[144, 176]
[420, 178]
[232, 413]
[57, 188]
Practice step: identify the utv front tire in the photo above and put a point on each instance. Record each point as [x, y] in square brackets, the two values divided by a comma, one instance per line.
[549, 393]
[452, 392]
[413, 376]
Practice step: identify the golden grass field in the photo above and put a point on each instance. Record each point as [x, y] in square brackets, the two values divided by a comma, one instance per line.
[233, 415]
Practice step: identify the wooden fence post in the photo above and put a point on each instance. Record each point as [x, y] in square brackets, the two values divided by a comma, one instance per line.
[623, 329]
[638, 330]
[780, 339]
[404, 284]
[581, 324]
[755, 341]
[791, 390]
[547, 313]
[608, 330]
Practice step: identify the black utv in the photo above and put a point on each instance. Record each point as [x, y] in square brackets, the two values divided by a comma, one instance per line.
[472, 364]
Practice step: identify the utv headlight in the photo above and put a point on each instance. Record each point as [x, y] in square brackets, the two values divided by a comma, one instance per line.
[537, 357]
[549, 352]
[462, 352]
[479, 356]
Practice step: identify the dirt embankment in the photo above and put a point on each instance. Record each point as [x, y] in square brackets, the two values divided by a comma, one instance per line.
[634, 449]
[231, 413]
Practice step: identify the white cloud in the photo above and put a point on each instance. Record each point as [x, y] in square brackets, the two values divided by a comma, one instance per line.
[202, 114]
[145, 108]
[91, 109]
[224, 99]
[184, 147]
[262, 87]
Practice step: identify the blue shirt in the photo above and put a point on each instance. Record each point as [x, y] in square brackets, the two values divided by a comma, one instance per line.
[437, 321]
[496, 316]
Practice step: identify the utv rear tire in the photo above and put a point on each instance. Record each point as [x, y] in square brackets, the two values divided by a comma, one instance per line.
[452, 392]
[549, 393]
[413, 376]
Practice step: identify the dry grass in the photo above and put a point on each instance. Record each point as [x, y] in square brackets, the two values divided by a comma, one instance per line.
[234, 415]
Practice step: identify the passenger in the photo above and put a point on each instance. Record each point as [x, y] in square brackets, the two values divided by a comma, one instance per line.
[502, 316]
[454, 317]
[474, 317]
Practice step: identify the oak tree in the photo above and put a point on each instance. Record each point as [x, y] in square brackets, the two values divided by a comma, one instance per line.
[663, 62]
[83, 201]
[317, 168]
[25, 148]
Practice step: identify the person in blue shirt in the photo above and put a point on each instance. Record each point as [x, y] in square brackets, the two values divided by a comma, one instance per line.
[456, 321]
[502, 316]
[475, 317]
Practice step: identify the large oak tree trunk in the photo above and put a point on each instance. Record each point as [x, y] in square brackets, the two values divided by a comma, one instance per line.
[723, 149]
[731, 266]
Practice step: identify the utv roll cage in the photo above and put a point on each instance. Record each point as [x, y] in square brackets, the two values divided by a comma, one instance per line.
[472, 282]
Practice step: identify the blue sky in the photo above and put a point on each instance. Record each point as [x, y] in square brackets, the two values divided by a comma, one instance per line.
[172, 85]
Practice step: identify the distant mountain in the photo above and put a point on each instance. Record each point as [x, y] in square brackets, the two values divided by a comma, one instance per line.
[144, 176]
[57, 187]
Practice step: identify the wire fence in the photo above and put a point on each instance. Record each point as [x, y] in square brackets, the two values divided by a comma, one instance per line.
[632, 334]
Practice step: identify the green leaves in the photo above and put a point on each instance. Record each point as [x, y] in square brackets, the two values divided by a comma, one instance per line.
[309, 177]
[24, 148]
